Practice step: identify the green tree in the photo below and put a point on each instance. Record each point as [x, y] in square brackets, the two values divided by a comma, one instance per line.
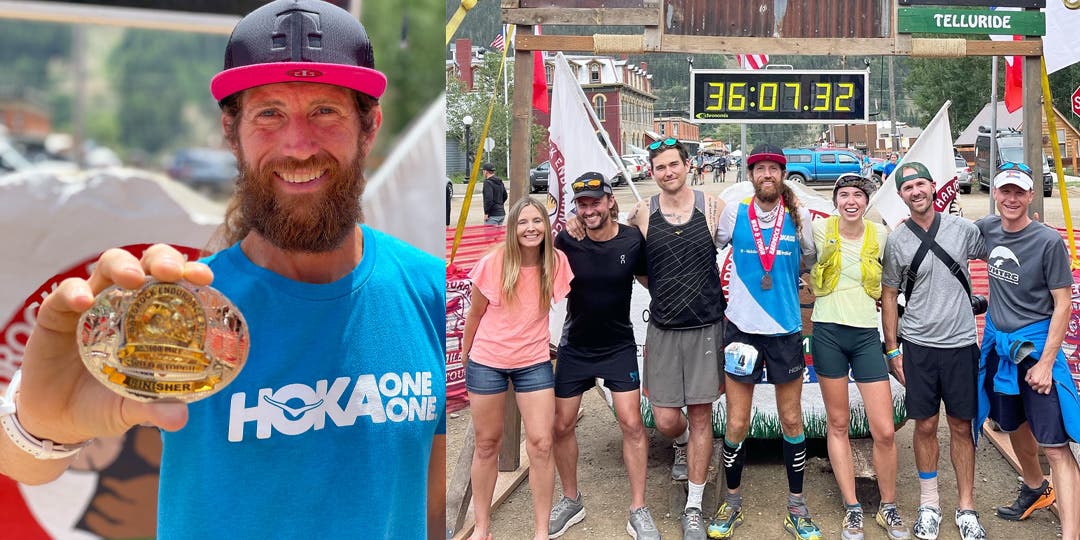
[405, 37]
[965, 81]
[158, 76]
[488, 92]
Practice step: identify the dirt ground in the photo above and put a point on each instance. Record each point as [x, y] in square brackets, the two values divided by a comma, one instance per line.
[602, 476]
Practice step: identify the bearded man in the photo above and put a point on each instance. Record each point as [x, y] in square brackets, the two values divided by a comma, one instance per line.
[344, 385]
[771, 240]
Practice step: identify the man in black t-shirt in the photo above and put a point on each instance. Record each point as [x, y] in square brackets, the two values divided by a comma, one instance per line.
[598, 341]
[494, 196]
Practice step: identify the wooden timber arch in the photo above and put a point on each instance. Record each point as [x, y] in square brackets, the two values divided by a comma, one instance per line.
[803, 27]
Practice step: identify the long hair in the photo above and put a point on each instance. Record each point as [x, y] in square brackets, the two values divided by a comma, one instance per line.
[511, 268]
[791, 203]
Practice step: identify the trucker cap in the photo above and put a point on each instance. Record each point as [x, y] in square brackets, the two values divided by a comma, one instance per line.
[298, 41]
[766, 152]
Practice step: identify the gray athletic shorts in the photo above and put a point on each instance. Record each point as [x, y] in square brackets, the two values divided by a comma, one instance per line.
[684, 367]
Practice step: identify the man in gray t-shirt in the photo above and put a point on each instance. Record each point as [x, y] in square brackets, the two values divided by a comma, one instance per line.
[1028, 384]
[940, 358]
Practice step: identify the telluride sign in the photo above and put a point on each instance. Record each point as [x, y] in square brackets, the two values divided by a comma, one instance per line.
[966, 21]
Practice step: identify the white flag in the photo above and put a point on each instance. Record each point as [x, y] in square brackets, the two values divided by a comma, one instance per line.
[1061, 49]
[935, 150]
[575, 147]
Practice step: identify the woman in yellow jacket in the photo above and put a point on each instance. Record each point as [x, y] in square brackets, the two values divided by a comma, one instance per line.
[847, 282]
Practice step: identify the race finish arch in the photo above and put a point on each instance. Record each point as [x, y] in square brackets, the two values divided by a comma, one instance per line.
[830, 28]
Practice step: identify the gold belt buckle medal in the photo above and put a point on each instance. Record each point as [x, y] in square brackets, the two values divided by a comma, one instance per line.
[163, 341]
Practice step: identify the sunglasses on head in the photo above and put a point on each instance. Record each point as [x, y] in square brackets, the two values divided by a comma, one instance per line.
[666, 143]
[1014, 166]
[585, 185]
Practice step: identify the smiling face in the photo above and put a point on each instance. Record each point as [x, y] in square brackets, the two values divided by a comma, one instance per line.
[300, 150]
[531, 228]
[767, 177]
[850, 203]
[918, 195]
[669, 170]
[595, 212]
[1013, 202]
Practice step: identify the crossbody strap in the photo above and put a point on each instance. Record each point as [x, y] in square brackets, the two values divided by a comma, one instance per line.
[928, 243]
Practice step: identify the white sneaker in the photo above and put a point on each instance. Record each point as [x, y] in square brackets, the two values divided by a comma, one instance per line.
[927, 522]
[970, 528]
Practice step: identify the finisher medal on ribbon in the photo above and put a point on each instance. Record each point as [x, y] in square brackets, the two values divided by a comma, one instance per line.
[163, 341]
[767, 255]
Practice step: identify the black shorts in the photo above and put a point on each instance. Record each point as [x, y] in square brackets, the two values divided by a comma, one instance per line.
[780, 358]
[937, 374]
[1041, 411]
[575, 374]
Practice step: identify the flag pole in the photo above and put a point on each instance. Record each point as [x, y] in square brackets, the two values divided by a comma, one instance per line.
[607, 141]
[993, 130]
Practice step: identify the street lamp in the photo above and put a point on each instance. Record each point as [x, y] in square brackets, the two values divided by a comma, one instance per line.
[468, 145]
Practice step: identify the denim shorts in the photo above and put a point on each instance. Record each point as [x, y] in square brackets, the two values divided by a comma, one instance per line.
[481, 379]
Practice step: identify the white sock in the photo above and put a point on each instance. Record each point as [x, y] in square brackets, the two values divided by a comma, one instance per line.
[928, 492]
[693, 495]
[681, 440]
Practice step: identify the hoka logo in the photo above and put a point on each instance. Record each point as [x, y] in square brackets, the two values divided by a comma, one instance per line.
[297, 408]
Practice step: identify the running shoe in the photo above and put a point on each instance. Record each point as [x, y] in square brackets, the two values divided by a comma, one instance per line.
[693, 526]
[565, 514]
[724, 522]
[641, 526]
[927, 522]
[852, 525]
[1028, 501]
[889, 519]
[970, 528]
[679, 471]
[801, 527]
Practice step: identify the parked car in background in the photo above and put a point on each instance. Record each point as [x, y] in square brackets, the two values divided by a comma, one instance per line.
[633, 167]
[963, 174]
[1010, 147]
[643, 161]
[809, 166]
[208, 170]
[538, 177]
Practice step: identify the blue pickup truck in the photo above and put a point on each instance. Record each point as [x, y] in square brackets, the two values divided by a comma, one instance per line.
[808, 166]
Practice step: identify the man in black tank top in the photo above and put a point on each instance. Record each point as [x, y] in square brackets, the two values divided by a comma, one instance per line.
[685, 335]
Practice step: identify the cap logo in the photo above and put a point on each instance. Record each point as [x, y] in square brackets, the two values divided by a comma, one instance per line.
[290, 30]
[304, 73]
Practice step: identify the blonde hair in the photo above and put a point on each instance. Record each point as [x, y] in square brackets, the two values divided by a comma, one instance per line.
[511, 255]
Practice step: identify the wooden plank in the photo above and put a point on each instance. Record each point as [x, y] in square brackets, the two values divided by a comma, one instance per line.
[1000, 440]
[505, 484]
[459, 489]
[811, 46]
[583, 16]
[510, 452]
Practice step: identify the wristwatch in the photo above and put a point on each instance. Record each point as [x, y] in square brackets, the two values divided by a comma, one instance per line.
[40, 449]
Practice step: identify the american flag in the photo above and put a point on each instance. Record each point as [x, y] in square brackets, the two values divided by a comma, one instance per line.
[752, 61]
[499, 42]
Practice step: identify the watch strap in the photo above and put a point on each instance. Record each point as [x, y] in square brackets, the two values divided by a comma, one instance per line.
[39, 449]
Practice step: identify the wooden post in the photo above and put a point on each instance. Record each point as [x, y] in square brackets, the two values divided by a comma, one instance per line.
[1033, 118]
[521, 126]
[510, 452]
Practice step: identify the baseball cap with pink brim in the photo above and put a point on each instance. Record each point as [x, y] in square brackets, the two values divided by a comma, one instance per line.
[298, 41]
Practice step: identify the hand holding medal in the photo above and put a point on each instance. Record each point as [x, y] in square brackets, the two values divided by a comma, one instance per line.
[163, 340]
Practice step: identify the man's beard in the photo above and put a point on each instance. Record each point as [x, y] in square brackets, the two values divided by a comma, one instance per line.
[767, 196]
[601, 222]
[313, 223]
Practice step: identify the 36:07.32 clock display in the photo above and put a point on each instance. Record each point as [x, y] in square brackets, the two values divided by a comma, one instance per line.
[775, 96]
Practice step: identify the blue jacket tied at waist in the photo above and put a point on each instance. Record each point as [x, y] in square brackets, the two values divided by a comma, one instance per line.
[1032, 336]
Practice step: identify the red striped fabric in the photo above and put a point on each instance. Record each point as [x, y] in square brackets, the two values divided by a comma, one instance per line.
[752, 61]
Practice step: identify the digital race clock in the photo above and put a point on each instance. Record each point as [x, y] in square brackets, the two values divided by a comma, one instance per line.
[778, 96]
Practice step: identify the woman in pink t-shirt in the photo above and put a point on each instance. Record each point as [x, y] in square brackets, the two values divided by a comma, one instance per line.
[506, 339]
